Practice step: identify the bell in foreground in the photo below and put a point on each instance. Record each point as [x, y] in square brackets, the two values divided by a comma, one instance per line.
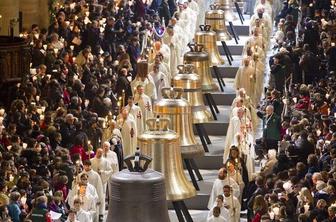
[137, 194]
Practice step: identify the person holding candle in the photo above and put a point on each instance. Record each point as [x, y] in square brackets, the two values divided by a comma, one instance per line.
[231, 203]
[83, 195]
[217, 188]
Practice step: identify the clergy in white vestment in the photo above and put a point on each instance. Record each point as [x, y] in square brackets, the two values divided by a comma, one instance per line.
[100, 165]
[87, 194]
[94, 180]
[247, 102]
[111, 156]
[264, 18]
[216, 216]
[234, 169]
[171, 38]
[145, 104]
[128, 128]
[219, 183]
[160, 80]
[246, 78]
[232, 204]
[136, 112]
[266, 5]
[148, 84]
[81, 214]
[248, 138]
[238, 124]
[220, 204]
[246, 149]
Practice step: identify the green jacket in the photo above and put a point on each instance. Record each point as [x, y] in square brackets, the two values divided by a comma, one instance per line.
[39, 215]
[272, 127]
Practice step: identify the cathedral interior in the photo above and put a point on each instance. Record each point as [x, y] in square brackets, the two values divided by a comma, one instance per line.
[167, 110]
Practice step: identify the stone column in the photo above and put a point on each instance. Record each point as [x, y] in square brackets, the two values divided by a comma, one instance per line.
[30, 13]
[9, 9]
[44, 14]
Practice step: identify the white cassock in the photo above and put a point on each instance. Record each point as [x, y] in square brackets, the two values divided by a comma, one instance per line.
[224, 212]
[244, 79]
[145, 104]
[180, 41]
[89, 200]
[234, 129]
[234, 208]
[236, 176]
[94, 180]
[112, 158]
[246, 147]
[248, 103]
[194, 5]
[265, 20]
[217, 189]
[231, 139]
[160, 81]
[165, 51]
[175, 52]
[137, 115]
[83, 216]
[267, 6]
[216, 219]
[103, 166]
[128, 135]
[148, 85]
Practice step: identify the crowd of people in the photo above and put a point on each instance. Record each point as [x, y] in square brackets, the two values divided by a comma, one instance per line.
[99, 67]
[95, 73]
[295, 155]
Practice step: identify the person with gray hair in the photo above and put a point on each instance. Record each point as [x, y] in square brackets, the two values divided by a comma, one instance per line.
[271, 127]
[14, 210]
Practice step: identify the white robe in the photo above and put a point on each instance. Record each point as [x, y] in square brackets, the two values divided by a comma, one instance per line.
[245, 79]
[145, 104]
[112, 158]
[89, 200]
[217, 189]
[129, 135]
[175, 52]
[224, 212]
[104, 169]
[148, 85]
[83, 216]
[216, 219]
[266, 20]
[160, 81]
[94, 180]
[233, 130]
[234, 210]
[137, 115]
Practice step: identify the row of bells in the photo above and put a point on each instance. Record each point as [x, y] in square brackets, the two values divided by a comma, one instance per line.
[170, 138]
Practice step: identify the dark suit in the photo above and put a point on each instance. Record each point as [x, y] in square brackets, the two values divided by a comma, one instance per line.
[271, 130]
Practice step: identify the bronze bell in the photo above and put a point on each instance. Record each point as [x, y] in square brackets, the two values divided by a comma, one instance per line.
[190, 82]
[200, 59]
[137, 194]
[178, 110]
[216, 19]
[163, 146]
[227, 7]
[208, 38]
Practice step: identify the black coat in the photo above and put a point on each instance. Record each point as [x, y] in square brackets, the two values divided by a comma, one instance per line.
[304, 148]
[123, 84]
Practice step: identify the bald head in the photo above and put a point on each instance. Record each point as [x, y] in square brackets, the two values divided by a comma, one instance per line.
[99, 153]
[269, 110]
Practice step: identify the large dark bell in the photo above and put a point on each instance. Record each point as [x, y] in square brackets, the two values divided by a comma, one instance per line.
[137, 197]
